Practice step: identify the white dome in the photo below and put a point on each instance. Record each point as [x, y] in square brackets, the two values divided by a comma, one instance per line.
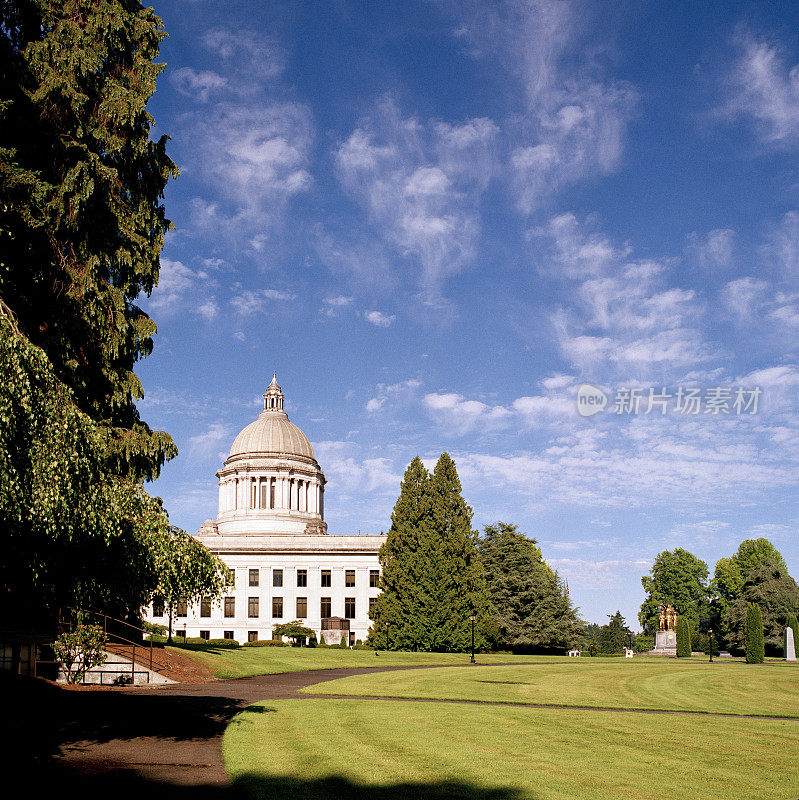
[272, 434]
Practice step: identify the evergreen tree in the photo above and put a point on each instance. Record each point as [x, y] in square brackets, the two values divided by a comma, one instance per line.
[683, 638]
[754, 635]
[678, 578]
[614, 636]
[776, 595]
[457, 583]
[400, 615]
[531, 609]
[791, 622]
[81, 219]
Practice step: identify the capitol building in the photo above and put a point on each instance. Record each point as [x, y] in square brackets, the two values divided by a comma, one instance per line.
[271, 533]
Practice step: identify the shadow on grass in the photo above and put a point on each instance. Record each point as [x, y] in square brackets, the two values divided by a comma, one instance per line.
[126, 783]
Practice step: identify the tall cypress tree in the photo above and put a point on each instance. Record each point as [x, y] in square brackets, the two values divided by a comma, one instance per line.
[755, 651]
[683, 638]
[456, 579]
[81, 218]
[400, 615]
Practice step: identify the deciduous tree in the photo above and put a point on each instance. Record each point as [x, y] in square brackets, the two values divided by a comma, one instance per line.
[677, 578]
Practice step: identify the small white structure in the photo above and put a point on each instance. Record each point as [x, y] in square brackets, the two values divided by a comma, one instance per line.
[574, 653]
[628, 653]
[271, 533]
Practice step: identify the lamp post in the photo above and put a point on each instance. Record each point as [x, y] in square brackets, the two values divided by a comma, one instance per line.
[472, 618]
[710, 631]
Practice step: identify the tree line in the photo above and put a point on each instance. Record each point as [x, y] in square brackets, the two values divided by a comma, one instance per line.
[755, 575]
[441, 581]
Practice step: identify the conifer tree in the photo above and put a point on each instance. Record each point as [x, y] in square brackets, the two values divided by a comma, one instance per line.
[532, 611]
[755, 651]
[683, 638]
[455, 578]
[400, 615]
[81, 218]
[791, 622]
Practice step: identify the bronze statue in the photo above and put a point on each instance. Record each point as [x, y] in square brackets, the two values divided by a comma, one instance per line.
[668, 618]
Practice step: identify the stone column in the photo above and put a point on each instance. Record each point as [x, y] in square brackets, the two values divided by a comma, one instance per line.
[221, 497]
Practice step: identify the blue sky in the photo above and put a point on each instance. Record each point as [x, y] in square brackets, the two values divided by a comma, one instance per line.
[437, 220]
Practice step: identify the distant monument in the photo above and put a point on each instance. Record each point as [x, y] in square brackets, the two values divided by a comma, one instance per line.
[790, 649]
[666, 637]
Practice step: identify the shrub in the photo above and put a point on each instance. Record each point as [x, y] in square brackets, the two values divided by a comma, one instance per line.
[312, 640]
[80, 650]
[359, 645]
[266, 643]
[592, 648]
[644, 643]
[755, 649]
[792, 623]
[343, 643]
[196, 643]
[683, 638]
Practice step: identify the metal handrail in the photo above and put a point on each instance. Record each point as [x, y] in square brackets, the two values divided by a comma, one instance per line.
[121, 639]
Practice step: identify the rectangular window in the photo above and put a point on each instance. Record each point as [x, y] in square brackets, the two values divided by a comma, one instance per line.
[277, 577]
[205, 607]
[205, 634]
[277, 607]
[227, 634]
[252, 636]
[372, 601]
[374, 578]
[276, 637]
[181, 608]
[252, 606]
[349, 608]
[254, 577]
[158, 606]
[302, 607]
[349, 577]
[326, 582]
[325, 607]
[230, 606]
[302, 577]
[231, 574]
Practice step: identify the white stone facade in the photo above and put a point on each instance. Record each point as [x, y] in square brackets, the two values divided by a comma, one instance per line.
[270, 530]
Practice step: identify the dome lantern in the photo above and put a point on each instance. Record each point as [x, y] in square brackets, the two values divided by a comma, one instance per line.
[273, 399]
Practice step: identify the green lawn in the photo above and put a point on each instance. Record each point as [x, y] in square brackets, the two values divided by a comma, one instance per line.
[243, 662]
[731, 687]
[381, 750]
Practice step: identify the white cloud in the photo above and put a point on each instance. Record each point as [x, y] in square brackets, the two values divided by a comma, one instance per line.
[250, 54]
[379, 318]
[332, 306]
[208, 310]
[420, 185]
[174, 281]
[458, 416]
[715, 251]
[763, 89]
[249, 301]
[199, 85]
[782, 248]
[352, 475]
[256, 157]
[208, 443]
[403, 390]
[575, 118]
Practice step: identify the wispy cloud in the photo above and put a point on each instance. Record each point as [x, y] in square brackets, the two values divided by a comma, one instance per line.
[420, 184]
[762, 88]
[378, 318]
[246, 302]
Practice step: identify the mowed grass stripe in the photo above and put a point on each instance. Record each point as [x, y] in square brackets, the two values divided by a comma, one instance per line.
[732, 688]
[386, 750]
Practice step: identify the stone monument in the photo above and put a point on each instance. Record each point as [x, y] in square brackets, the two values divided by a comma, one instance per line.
[666, 637]
[790, 647]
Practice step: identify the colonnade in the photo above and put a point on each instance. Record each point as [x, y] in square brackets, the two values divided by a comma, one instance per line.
[272, 492]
